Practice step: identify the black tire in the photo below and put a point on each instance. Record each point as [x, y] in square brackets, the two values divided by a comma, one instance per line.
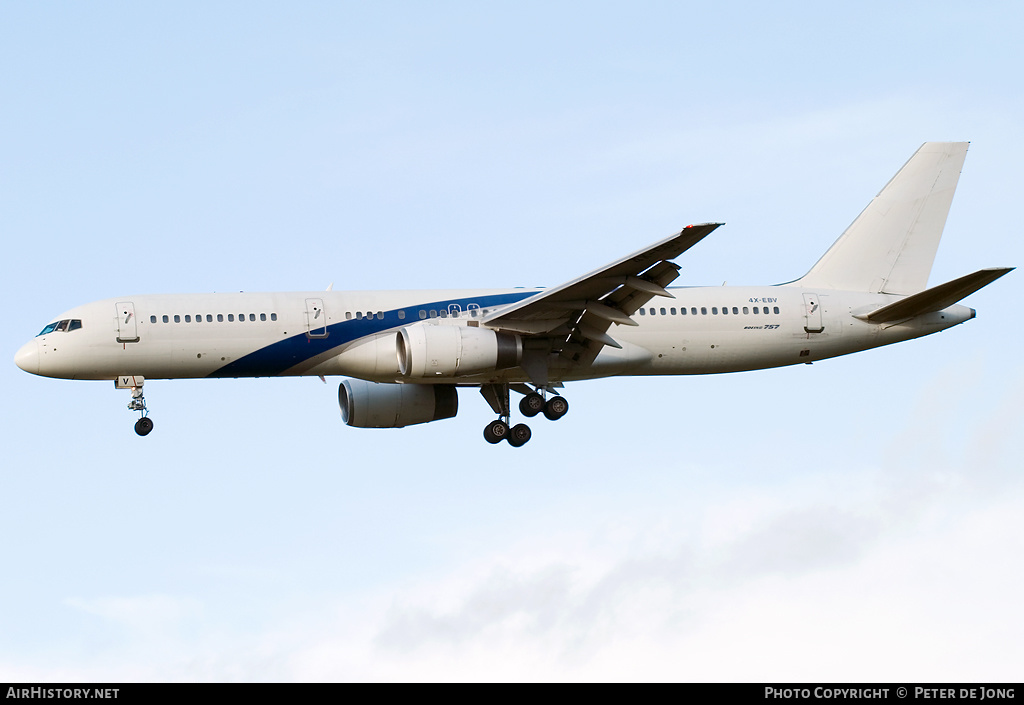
[143, 426]
[495, 431]
[519, 435]
[556, 408]
[531, 405]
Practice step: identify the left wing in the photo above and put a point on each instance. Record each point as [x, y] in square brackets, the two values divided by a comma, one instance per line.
[576, 316]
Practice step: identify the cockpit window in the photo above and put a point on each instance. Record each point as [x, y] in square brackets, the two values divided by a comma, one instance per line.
[68, 324]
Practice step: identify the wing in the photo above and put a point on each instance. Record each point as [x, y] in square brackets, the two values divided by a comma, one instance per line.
[573, 319]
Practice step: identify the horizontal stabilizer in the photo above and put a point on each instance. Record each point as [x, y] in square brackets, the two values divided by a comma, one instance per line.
[936, 298]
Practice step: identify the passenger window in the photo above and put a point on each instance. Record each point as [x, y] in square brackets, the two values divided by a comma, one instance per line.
[703, 310]
[735, 311]
[177, 318]
[209, 318]
[643, 312]
[433, 313]
[220, 318]
[188, 319]
[252, 316]
[682, 311]
[423, 314]
[745, 310]
[263, 316]
[662, 312]
[380, 315]
[231, 317]
[672, 311]
[444, 313]
[714, 310]
[152, 319]
[273, 316]
[401, 315]
[776, 309]
[165, 319]
[725, 310]
[241, 317]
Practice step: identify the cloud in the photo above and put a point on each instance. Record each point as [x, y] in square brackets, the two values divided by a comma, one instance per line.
[147, 613]
[808, 587]
[906, 570]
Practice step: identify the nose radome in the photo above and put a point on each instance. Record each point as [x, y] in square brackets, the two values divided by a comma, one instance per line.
[28, 357]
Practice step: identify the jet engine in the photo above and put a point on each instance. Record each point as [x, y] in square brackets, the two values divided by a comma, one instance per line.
[452, 351]
[372, 405]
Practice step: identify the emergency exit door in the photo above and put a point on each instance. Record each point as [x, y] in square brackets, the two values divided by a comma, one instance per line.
[316, 318]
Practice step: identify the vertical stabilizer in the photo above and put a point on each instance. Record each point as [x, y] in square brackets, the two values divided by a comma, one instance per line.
[891, 245]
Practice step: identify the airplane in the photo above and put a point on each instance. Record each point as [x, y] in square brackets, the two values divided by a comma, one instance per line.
[406, 353]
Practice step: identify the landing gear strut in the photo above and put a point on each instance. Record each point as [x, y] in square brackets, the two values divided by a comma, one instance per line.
[138, 403]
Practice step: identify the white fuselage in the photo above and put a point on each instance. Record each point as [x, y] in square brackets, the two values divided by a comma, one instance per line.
[724, 329]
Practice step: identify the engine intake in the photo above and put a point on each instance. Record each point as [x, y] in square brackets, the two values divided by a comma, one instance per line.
[372, 405]
[455, 351]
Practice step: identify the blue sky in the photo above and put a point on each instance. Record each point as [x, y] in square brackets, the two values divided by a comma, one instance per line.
[858, 519]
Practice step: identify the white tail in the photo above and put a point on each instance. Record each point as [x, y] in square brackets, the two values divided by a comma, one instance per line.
[891, 245]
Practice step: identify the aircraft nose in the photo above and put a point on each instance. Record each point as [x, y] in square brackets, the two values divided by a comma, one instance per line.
[28, 357]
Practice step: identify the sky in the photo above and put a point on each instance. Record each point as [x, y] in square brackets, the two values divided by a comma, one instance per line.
[859, 519]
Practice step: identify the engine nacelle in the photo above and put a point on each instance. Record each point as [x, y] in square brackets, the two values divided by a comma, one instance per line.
[372, 405]
[455, 351]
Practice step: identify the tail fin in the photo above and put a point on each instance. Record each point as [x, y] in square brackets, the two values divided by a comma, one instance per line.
[891, 245]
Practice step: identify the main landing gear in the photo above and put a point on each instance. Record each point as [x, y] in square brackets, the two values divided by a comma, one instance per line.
[138, 403]
[497, 395]
[533, 403]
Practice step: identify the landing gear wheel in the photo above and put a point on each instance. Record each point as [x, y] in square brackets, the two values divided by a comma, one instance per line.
[496, 431]
[531, 405]
[143, 426]
[556, 408]
[519, 435]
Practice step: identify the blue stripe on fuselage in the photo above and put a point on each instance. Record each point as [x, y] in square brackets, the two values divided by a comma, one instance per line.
[277, 357]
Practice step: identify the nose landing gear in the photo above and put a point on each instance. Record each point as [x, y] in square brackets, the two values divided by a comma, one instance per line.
[138, 402]
[144, 425]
